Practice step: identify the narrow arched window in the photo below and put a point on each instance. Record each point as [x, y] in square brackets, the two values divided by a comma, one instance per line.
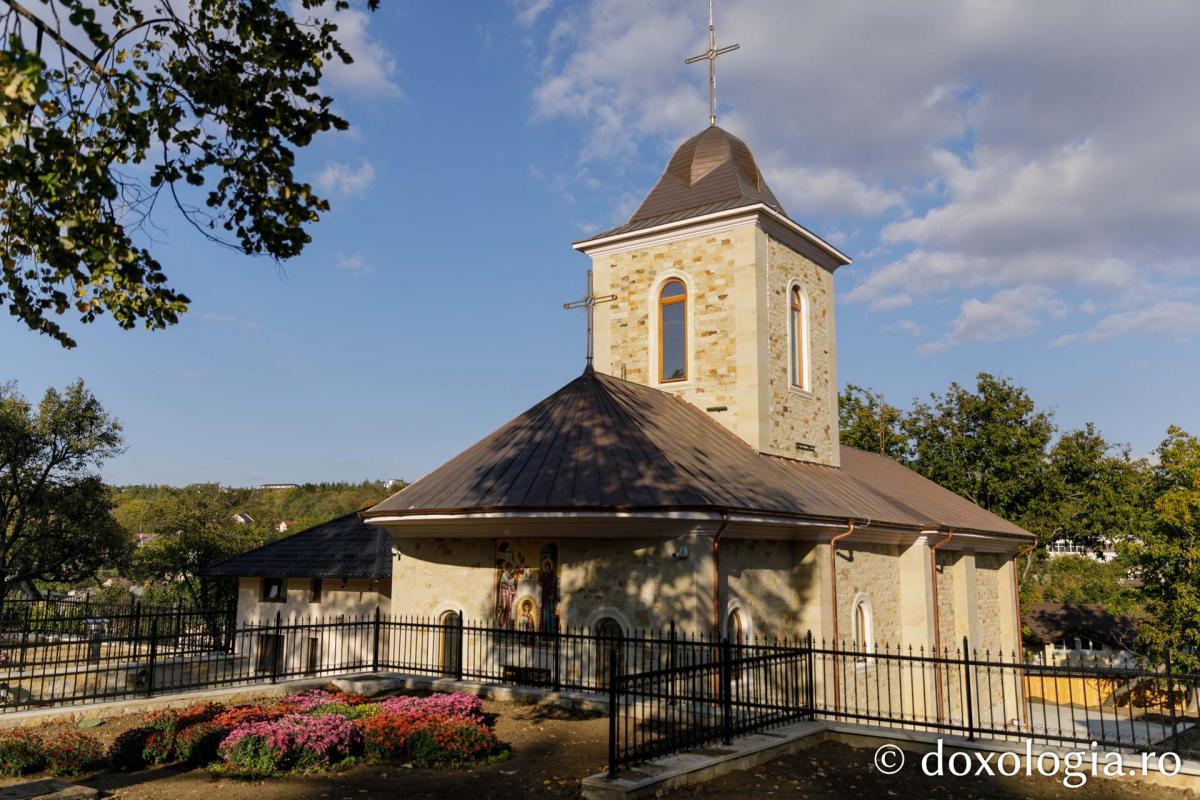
[863, 629]
[798, 334]
[672, 331]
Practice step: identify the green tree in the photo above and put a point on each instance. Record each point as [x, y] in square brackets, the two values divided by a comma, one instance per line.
[194, 528]
[1094, 493]
[55, 513]
[197, 103]
[868, 422]
[1078, 579]
[988, 445]
[1166, 557]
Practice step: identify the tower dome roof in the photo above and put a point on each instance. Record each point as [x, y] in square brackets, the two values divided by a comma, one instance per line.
[711, 171]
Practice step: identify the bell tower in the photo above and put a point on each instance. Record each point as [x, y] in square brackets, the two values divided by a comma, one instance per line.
[722, 299]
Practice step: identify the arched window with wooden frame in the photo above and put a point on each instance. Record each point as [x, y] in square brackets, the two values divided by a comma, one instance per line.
[798, 338]
[672, 332]
[864, 630]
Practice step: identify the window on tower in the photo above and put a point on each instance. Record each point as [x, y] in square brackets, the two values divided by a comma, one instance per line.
[798, 336]
[672, 331]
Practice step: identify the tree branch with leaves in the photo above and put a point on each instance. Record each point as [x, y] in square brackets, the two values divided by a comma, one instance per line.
[105, 111]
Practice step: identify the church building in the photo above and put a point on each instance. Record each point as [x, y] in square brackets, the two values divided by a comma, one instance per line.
[692, 473]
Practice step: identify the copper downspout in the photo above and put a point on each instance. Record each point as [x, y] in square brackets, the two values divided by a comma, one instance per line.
[1026, 710]
[937, 623]
[837, 682]
[716, 559]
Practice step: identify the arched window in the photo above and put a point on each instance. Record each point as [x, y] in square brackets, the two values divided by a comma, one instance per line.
[798, 337]
[863, 628]
[451, 644]
[735, 630]
[609, 636]
[672, 331]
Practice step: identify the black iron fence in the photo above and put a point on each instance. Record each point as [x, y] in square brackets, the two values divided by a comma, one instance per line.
[667, 691]
[709, 694]
[744, 688]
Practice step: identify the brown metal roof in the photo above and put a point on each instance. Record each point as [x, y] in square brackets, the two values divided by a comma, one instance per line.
[601, 443]
[344, 547]
[1052, 622]
[712, 167]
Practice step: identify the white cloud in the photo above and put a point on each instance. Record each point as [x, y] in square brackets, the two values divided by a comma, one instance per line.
[528, 11]
[354, 263]
[995, 145]
[1172, 320]
[373, 70]
[1008, 314]
[342, 179]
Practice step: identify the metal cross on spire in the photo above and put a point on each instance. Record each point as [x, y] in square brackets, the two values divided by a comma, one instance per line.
[711, 58]
[588, 302]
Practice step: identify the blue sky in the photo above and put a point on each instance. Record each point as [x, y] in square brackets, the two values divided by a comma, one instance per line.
[1016, 183]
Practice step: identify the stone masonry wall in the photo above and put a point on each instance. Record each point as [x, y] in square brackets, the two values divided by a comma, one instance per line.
[945, 597]
[795, 416]
[769, 581]
[993, 603]
[710, 264]
[872, 570]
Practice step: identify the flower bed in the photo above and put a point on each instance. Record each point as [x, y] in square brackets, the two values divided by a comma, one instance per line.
[309, 732]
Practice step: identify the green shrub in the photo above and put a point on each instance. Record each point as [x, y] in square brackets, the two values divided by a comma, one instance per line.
[21, 753]
[198, 743]
[126, 751]
[160, 747]
[72, 752]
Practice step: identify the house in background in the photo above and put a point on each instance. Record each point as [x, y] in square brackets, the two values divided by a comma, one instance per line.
[338, 569]
[1084, 633]
[1062, 547]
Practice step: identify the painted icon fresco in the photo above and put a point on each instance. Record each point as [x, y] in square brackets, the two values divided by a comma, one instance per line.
[527, 584]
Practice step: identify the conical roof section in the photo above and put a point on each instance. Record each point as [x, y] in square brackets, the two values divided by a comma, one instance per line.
[712, 170]
[604, 444]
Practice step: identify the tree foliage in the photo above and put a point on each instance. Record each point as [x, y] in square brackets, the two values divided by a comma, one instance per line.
[1081, 580]
[869, 422]
[193, 528]
[106, 111]
[987, 444]
[1166, 556]
[55, 514]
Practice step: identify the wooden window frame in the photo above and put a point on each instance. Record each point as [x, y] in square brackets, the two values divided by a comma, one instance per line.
[798, 328]
[315, 590]
[663, 302]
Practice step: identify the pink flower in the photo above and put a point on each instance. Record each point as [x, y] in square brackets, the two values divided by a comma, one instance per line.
[455, 704]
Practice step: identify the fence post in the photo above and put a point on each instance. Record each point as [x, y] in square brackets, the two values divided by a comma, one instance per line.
[613, 677]
[726, 692]
[462, 640]
[375, 644]
[179, 622]
[966, 670]
[277, 656]
[671, 662]
[153, 661]
[811, 690]
[1171, 701]
[557, 655]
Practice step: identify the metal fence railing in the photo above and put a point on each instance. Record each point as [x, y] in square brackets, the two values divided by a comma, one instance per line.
[667, 691]
[744, 688]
